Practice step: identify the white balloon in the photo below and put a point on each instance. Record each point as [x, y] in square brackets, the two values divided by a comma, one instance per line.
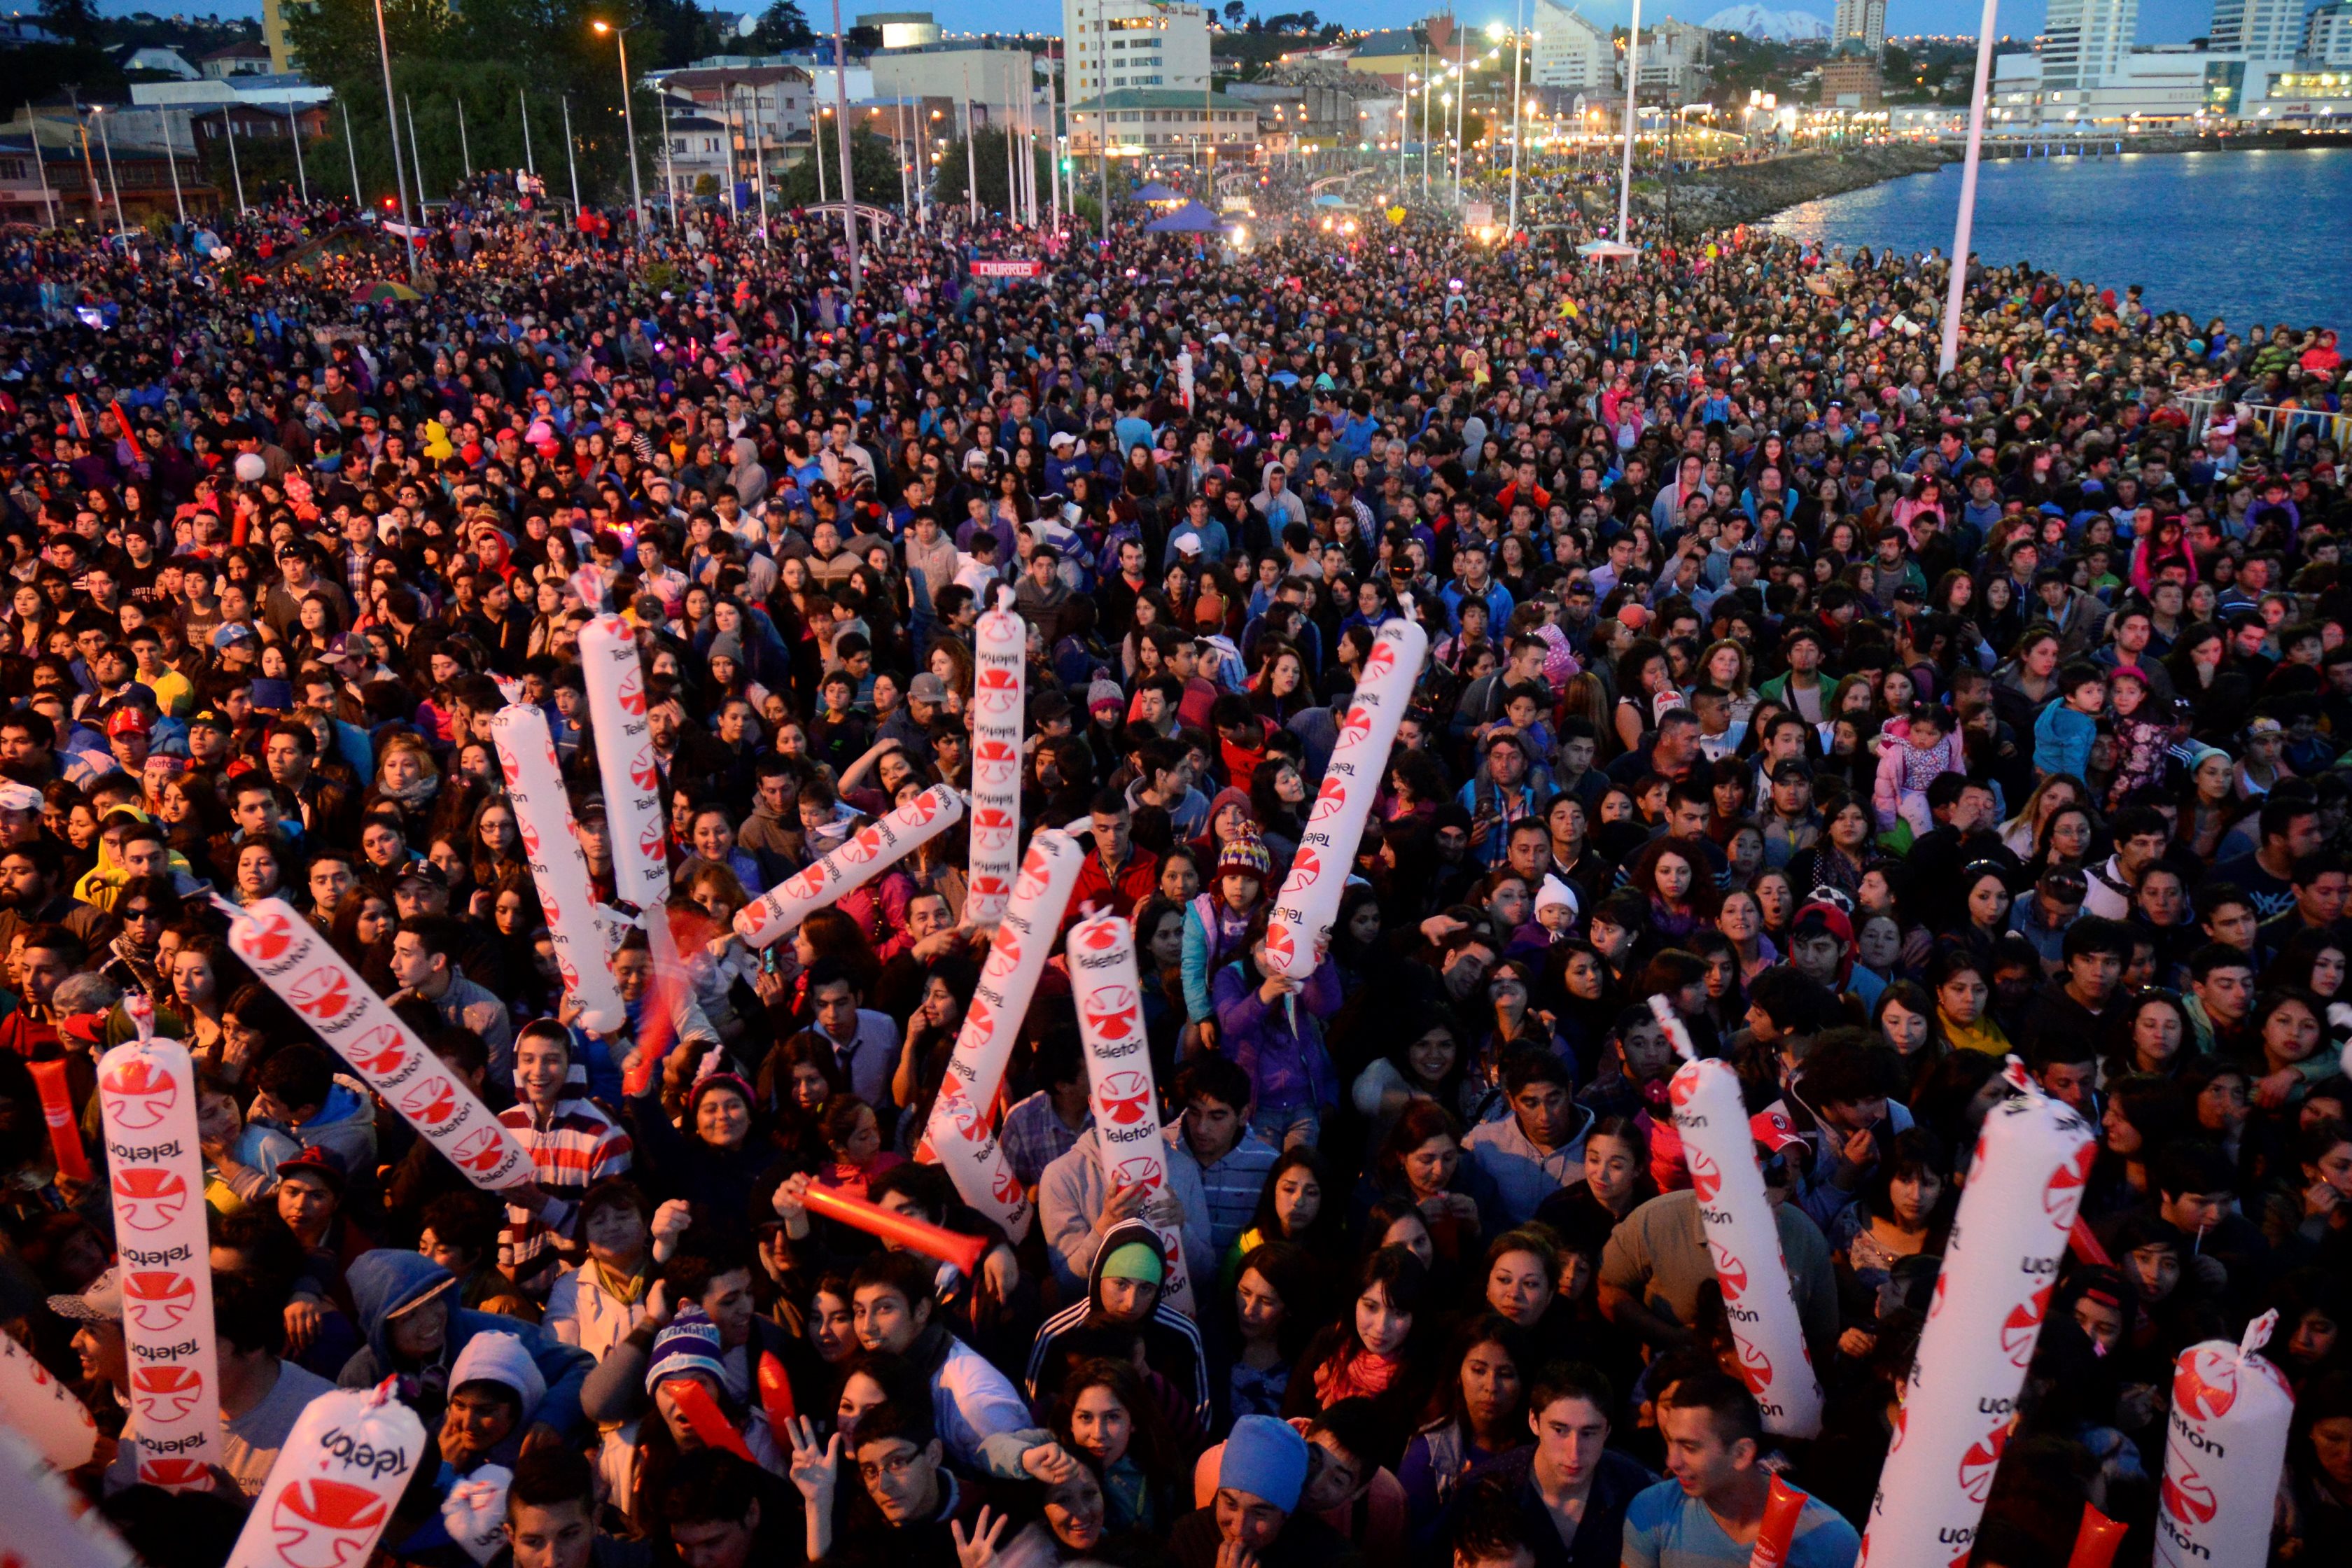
[310, 976]
[147, 1101]
[1298, 933]
[551, 840]
[337, 1480]
[2024, 1187]
[1744, 1241]
[958, 1134]
[1109, 1001]
[2223, 1454]
[856, 861]
[999, 649]
[43, 1409]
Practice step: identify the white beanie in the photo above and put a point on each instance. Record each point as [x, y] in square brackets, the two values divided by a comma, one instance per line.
[500, 1358]
[1556, 893]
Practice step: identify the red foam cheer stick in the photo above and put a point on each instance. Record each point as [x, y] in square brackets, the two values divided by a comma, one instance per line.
[776, 1392]
[704, 1418]
[2097, 1539]
[57, 1109]
[1773, 1537]
[916, 1235]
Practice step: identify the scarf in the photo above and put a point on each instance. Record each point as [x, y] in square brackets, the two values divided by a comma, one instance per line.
[1361, 1373]
[628, 1292]
[424, 789]
[1983, 1036]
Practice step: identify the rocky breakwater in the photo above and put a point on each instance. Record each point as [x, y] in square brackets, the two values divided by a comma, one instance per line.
[1749, 192]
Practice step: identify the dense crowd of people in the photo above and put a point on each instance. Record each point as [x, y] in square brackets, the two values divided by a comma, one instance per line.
[1889, 726]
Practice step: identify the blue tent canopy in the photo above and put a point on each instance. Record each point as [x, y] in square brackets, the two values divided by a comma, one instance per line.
[1156, 192]
[1189, 218]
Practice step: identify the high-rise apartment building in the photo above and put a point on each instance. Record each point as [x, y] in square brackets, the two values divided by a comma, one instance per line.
[2084, 43]
[1113, 44]
[1863, 19]
[1570, 50]
[2259, 29]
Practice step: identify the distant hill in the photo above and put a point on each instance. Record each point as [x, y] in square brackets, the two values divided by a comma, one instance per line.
[1780, 27]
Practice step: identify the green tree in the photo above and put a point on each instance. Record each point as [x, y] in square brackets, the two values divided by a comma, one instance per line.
[782, 26]
[874, 168]
[485, 56]
[991, 171]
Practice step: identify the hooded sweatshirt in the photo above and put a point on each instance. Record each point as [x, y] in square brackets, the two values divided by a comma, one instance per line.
[1171, 1342]
[387, 1279]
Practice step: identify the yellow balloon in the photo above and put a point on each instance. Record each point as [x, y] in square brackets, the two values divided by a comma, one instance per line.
[1396, 214]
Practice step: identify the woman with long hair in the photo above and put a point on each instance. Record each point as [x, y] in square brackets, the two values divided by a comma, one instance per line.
[1300, 1204]
[1905, 1210]
[1376, 1351]
[1275, 1305]
[1108, 1418]
[1476, 1415]
[1677, 877]
[2143, 1114]
[2023, 833]
[1421, 1161]
[1956, 979]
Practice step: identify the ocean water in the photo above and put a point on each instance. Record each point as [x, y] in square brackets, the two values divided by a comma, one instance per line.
[2254, 235]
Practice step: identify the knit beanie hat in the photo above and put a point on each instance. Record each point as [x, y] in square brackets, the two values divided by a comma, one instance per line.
[1245, 854]
[690, 1344]
[1104, 693]
[1555, 894]
[1267, 1458]
[1138, 1260]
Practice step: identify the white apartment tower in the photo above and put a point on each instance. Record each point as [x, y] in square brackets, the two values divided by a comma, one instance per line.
[2084, 43]
[1570, 50]
[1116, 43]
[1863, 19]
[2327, 36]
[2260, 29]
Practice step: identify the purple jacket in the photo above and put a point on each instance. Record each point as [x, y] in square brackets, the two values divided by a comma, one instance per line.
[1286, 1067]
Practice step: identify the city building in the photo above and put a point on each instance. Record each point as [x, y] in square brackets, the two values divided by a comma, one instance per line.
[237, 59]
[697, 146]
[273, 36]
[71, 179]
[1674, 61]
[1863, 19]
[1851, 79]
[1133, 43]
[2258, 29]
[1392, 56]
[902, 30]
[2327, 36]
[1143, 120]
[1570, 50]
[2084, 43]
[761, 108]
[977, 70]
[2168, 83]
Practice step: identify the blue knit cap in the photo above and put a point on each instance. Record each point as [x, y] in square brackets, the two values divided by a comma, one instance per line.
[689, 1344]
[1267, 1458]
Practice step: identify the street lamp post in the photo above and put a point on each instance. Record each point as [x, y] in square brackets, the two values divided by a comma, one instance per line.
[391, 124]
[98, 113]
[465, 145]
[236, 174]
[1632, 90]
[1518, 99]
[1461, 107]
[351, 151]
[416, 158]
[629, 122]
[841, 128]
[571, 155]
[171, 161]
[1948, 354]
[522, 99]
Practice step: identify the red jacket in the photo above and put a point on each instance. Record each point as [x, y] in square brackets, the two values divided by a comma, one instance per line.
[1136, 881]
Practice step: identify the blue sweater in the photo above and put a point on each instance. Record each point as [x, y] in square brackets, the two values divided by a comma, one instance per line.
[2062, 740]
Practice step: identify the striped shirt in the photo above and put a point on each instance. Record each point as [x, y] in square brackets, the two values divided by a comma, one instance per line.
[572, 1148]
[1233, 1185]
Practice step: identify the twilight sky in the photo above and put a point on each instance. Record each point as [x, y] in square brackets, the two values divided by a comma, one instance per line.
[2160, 21]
